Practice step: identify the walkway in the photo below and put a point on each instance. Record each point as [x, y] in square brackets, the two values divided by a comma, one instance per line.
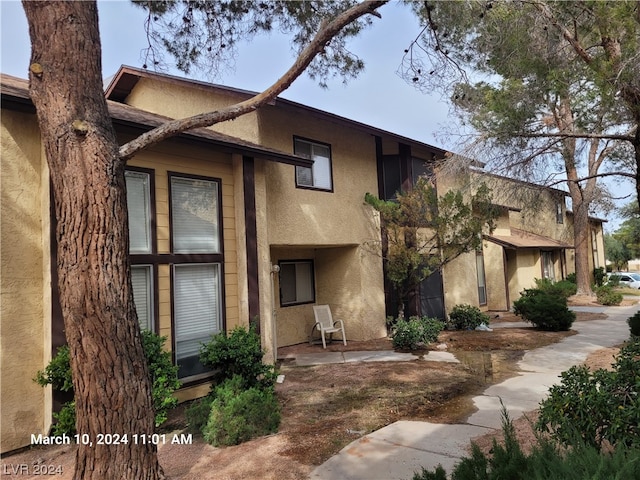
[396, 451]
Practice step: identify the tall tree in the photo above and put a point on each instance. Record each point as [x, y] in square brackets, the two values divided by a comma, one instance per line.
[86, 166]
[424, 231]
[541, 109]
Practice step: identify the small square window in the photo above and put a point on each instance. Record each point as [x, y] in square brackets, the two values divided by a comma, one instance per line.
[297, 284]
[319, 175]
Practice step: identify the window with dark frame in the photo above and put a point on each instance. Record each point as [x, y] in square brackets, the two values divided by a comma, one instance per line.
[196, 275]
[319, 176]
[548, 270]
[196, 261]
[559, 217]
[482, 284]
[139, 185]
[297, 284]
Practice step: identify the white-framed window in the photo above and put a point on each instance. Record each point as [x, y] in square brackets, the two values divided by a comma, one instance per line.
[297, 285]
[139, 208]
[196, 314]
[194, 215]
[319, 175]
[142, 282]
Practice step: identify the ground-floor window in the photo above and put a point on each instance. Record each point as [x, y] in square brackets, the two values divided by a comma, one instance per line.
[482, 284]
[548, 270]
[196, 313]
[142, 282]
[297, 285]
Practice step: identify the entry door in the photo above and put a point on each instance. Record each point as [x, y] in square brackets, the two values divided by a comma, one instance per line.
[432, 296]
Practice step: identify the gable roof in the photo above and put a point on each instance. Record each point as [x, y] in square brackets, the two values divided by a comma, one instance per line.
[15, 95]
[123, 82]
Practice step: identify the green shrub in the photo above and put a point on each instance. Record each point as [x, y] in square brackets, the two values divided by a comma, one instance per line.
[634, 324]
[591, 407]
[197, 414]
[599, 276]
[239, 414]
[238, 353]
[164, 381]
[416, 332]
[58, 372]
[606, 295]
[563, 288]
[164, 375]
[65, 420]
[571, 277]
[467, 317]
[547, 461]
[545, 311]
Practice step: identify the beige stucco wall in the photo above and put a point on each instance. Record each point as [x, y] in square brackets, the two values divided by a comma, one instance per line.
[497, 289]
[343, 277]
[460, 281]
[176, 100]
[333, 228]
[526, 208]
[25, 281]
[290, 216]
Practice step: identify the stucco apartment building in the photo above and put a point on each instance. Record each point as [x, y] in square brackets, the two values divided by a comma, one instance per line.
[533, 239]
[255, 220]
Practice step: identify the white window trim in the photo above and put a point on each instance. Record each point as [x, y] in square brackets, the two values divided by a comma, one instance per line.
[314, 181]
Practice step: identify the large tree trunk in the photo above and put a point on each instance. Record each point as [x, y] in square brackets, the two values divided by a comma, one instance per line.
[582, 238]
[112, 388]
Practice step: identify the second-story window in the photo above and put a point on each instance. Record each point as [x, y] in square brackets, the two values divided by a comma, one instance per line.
[559, 217]
[318, 176]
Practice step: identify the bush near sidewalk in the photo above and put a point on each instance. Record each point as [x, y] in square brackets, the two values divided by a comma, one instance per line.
[546, 311]
[415, 333]
[597, 408]
[547, 461]
[467, 317]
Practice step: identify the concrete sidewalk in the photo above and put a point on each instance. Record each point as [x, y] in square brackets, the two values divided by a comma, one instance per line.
[397, 451]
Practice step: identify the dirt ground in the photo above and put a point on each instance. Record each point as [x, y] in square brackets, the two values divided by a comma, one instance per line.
[326, 407]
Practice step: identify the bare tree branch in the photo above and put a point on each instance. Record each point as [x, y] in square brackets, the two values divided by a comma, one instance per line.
[327, 31]
[598, 175]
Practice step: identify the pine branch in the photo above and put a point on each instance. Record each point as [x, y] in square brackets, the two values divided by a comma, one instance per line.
[327, 31]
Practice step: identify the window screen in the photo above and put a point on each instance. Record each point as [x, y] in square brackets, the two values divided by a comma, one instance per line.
[194, 216]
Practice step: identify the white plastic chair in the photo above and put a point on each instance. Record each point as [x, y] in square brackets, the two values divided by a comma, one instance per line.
[325, 323]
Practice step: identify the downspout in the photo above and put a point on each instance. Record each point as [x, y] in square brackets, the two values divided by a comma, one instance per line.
[274, 270]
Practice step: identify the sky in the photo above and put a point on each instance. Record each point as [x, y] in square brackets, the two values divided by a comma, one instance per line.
[378, 97]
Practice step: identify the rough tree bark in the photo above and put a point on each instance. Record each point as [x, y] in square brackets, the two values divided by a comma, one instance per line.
[112, 387]
[86, 167]
[581, 196]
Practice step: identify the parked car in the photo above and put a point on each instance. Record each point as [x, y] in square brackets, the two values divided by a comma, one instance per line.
[627, 279]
